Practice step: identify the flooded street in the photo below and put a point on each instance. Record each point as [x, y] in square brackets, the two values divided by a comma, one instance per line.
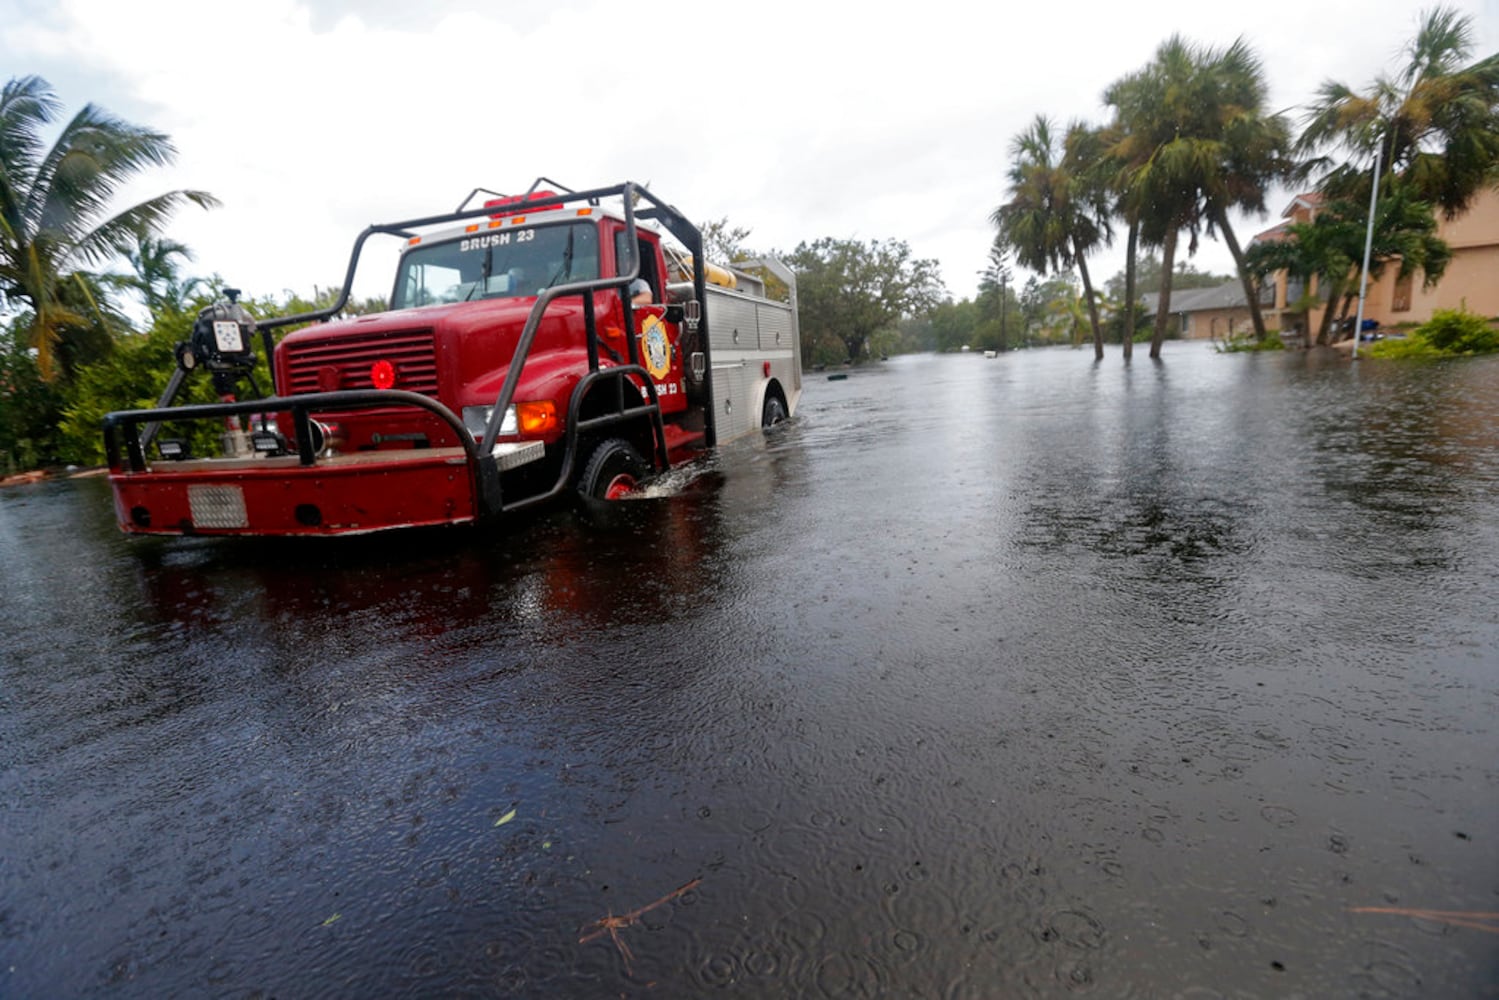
[983, 678]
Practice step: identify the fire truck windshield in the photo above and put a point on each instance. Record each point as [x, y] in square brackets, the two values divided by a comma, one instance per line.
[500, 263]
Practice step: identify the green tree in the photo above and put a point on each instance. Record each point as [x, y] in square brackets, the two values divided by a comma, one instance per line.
[1191, 140]
[1069, 316]
[996, 284]
[1045, 308]
[954, 324]
[848, 290]
[55, 213]
[1434, 130]
[724, 243]
[28, 407]
[1436, 122]
[1057, 211]
[156, 274]
[90, 330]
[1246, 152]
[131, 377]
[1128, 151]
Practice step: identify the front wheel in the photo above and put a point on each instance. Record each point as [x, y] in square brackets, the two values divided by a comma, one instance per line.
[614, 470]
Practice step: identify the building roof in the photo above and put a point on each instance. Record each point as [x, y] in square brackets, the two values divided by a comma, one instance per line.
[1311, 200]
[1229, 295]
[1274, 234]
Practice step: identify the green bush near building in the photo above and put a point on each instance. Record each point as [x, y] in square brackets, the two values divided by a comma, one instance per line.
[1449, 333]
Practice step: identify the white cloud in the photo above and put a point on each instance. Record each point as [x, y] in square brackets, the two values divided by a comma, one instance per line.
[312, 119]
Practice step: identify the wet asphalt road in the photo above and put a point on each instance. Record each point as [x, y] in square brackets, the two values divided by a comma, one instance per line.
[1013, 677]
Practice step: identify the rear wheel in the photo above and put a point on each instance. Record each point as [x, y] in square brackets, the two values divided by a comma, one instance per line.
[774, 411]
[614, 470]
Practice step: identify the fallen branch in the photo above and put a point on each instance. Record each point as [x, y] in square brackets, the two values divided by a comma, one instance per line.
[612, 925]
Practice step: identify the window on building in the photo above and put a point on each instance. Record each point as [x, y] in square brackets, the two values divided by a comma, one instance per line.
[1401, 301]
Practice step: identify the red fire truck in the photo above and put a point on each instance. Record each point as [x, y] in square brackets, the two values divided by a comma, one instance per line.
[537, 346]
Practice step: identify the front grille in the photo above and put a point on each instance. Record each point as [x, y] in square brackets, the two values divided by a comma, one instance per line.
[412, 352]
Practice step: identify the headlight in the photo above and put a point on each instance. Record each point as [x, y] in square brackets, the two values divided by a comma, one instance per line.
[476, 418]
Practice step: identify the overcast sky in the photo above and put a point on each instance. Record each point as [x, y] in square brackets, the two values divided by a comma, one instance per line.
[310, 119]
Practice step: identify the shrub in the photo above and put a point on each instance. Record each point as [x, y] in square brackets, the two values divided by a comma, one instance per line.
[1449, 333]
[28, 412]
[1454, 331]
[131, 378]
[1410, 346]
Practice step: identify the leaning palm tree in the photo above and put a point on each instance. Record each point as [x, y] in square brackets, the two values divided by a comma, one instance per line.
[1252, 154]
[1058, 212]
[1433, 127]
[56, 221]
[1086, 167]
[1436, 122]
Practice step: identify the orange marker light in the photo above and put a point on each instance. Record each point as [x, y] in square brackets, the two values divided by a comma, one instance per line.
[383, 374]
[537, 417]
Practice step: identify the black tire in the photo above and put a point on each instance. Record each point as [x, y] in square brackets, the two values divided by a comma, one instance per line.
[774, 411]
[613, 469]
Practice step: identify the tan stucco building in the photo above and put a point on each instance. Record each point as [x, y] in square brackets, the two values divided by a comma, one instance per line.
[1470, 282]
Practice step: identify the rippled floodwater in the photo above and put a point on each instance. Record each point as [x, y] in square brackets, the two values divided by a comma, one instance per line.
[984, 678]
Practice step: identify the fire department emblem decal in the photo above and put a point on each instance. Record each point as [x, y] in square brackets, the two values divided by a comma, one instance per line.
[655, 347]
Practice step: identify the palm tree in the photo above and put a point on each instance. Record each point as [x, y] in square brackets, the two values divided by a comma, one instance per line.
[1191, 141]
[1058, 208]
[156, 275]
[1436, 122]
[1252, 153]
[1144, 192]
[1154, 201]
[55, 203]
[1084, 162]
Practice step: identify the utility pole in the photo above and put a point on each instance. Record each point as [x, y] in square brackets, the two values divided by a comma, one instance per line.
[1363, 281]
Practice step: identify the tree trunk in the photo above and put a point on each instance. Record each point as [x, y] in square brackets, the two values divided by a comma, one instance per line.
[1129, 289]
[1324, 329]
[1251, 293]
[1082, 270]
[1163, 304]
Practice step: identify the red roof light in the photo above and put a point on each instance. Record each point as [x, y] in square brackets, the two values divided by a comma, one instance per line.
[518, 202]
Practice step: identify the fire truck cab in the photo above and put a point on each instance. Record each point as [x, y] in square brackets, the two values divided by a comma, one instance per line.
[536, 346]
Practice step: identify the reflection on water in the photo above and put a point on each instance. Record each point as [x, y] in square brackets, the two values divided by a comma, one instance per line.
[1020, 676]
